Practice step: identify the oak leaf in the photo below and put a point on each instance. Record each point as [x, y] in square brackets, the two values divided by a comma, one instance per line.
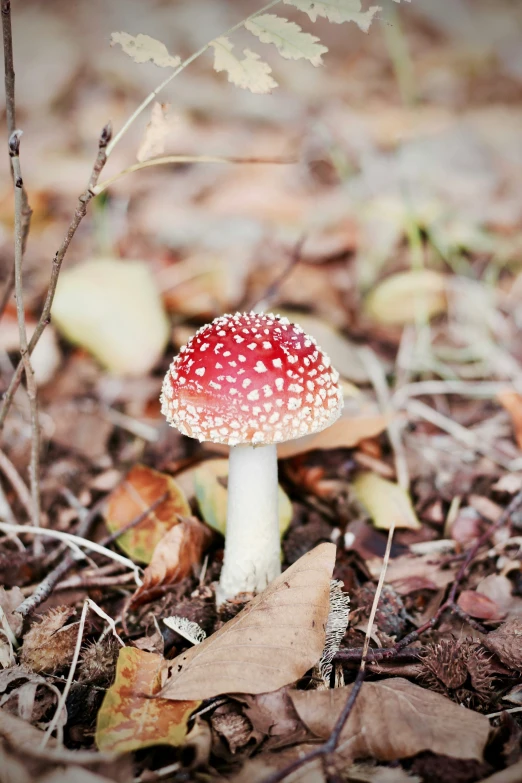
[250, 72]
[337, 11]
[272, 642]
[143, 49]
[174, 557]
[289, 39]
[143, 487]
[394, 719]
[128, 718]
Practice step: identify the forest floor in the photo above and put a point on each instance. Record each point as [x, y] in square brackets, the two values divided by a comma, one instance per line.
[387, 223]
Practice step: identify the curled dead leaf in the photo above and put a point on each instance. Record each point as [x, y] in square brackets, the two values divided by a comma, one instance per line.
[387, 503]
[345, 433]
[272, 642]
[480, 606]
[128, 718]
[394, 719]
[141, 489]
[174, 557]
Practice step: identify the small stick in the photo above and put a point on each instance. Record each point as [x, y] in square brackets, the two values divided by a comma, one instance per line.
[45, 317]
[274, 287]
[17, 482]
[34, 469]
[74, 542]
[10, 110]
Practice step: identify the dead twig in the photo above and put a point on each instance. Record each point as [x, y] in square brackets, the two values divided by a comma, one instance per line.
[10, 110]
[34, 468]
[264, 301]
[45, 317]
[17, 482]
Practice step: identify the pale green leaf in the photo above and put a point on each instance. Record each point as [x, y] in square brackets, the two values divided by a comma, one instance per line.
[387, 503]
[250, 73]
[337, 11]
[113, 309]
[402, 298]
[290, 40]
[144, 49]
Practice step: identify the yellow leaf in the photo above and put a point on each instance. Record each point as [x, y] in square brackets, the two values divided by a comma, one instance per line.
[250, 73]
[385, 501]
[140, 490]
[289, 39]
[402, 298]
[210, 488]
[144, 49]
[128, 718]
[112, 308]
[272, 642]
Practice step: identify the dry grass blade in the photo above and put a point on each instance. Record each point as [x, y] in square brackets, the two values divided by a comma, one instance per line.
[271, 643]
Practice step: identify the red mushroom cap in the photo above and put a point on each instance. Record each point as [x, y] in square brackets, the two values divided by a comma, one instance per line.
[251, 378]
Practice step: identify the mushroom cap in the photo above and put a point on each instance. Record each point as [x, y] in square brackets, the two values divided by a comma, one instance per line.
[251, 378]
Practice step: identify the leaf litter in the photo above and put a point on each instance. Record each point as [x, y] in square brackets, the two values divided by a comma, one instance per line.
[411, 212]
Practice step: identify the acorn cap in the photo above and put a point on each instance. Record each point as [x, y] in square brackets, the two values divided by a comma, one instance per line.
[251, 378]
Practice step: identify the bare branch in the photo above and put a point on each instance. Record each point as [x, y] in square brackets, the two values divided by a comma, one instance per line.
[10, 108]
[79, 214]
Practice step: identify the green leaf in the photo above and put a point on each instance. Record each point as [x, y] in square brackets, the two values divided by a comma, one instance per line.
[291, 42]
[337, 11]
[386, 502]
[141, 489]
[144, 49]
[128, 718]
[210, 480]
[250, 73]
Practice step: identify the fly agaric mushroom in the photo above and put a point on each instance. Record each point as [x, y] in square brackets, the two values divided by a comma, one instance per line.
[250, 381]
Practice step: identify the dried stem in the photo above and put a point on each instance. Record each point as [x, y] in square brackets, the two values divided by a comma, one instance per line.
[173, 159]
[10, 110]
[34, 468]
[81, 211]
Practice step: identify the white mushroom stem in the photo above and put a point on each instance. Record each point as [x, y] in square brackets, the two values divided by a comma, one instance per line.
[252, 544]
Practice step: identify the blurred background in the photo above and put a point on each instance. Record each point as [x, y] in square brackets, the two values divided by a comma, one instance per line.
[407, 151]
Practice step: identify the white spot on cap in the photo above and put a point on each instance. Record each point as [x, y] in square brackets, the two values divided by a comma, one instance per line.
[253, 395]
[200, 371]
[246, 383]
[280, 384]
[260, 367]
[277, 363]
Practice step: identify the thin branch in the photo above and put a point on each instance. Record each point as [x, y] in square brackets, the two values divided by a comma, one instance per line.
[46, 586]
[34, 468]
[10, 110]
[173, 159]
[17, 482]
[74, 542]
[78, 216]
[148, 100]
[264, 301]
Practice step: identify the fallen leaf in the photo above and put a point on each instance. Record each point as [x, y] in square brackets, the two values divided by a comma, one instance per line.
[506, 642]
[143, 49]
[274, 714]
[408, 573]
[345, 433]
[402, 298]
[174, 557]
[112, 308]
[272, 642]
[511, 401]
[153, 141]
[500, 590]
[49, 644]
[210, 480]
[386, 502]
[480, 606]
[128, 718]
[394, 719]
[140, 490]
[9, 601]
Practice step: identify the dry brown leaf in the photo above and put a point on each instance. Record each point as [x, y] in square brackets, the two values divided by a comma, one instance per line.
[153, 142]
[174, 557]
[407, 573]
[277, 637]
[49, 644]
[344, 434]
[142, 488]
[479, 605]
[506, 642]
[394, 719]
[512, 402]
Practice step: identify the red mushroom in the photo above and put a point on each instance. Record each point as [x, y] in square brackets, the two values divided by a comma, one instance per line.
[250, 381]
